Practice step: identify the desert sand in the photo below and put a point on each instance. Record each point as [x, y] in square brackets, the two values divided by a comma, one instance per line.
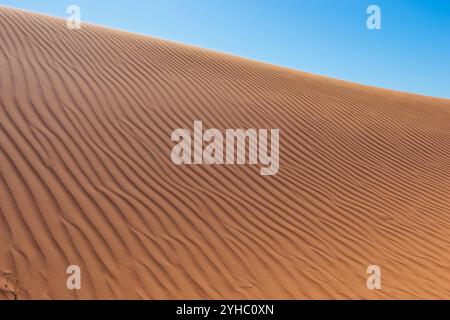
[86, 177]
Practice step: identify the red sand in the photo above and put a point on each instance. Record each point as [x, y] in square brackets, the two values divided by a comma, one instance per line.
[86, 176]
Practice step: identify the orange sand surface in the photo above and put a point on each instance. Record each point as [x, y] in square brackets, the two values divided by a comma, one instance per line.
[86, 176]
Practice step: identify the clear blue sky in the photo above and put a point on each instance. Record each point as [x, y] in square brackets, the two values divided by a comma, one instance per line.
[410, 53]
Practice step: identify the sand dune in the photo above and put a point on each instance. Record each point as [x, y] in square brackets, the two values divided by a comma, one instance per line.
[86, 176]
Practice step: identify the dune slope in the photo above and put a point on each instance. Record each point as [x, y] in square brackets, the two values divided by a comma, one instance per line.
[86, 177]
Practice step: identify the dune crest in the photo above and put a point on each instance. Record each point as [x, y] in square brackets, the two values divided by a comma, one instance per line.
[86, 177]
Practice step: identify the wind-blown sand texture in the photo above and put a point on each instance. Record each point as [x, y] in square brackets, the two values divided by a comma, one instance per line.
[86, 176]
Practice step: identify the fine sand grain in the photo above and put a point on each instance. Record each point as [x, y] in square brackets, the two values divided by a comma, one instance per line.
[86, 176]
